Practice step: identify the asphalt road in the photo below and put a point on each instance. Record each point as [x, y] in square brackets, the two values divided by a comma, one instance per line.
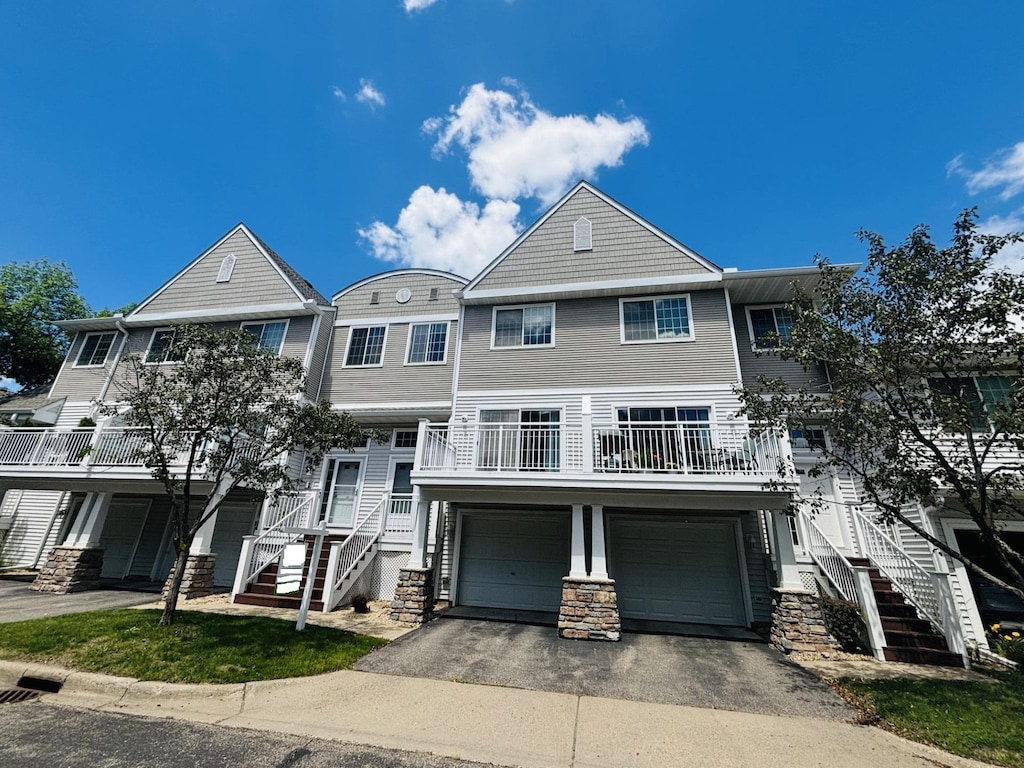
[19, 603]
[38, 735]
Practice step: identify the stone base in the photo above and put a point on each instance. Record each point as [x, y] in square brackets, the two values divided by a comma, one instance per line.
[798, 623]
[197, 580]
[414, 596]
[70, 569]
[590, 610]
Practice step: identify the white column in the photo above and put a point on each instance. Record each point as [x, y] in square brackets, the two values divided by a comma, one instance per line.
[203, 540]
[421, 515]
[88, 527]
[785, 557]
[598, 558]
[578, 556]
[588, 435]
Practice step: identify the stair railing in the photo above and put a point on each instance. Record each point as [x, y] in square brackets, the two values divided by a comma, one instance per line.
[292, 511]
[345, 555]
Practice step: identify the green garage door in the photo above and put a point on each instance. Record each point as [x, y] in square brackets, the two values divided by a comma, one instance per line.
[667, 570]
[513, 561]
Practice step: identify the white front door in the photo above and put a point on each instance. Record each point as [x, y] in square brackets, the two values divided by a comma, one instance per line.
[344, 493]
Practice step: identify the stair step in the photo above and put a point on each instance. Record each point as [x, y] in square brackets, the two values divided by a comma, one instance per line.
[277, 601]
[904, 639]
[905, 624]
[928, 656]
[897, 611]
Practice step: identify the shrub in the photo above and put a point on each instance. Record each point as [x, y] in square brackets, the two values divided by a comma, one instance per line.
[845, 623]
[1008, 644]
[359, 603]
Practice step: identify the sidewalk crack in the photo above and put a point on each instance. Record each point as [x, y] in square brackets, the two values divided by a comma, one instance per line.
[575, 730]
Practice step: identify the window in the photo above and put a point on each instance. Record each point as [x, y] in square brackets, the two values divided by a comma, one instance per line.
[428, 343]
[227, 266]
[532, 326]
[526, 441]
[984, 396]
[653, 320]
[269, 336]
[365, 346]
[668, 439]
[404, 438]
[769, 326]
[582, 235]
[375, 297]
[95, 348]
[813, 439]
[161, 347]
[433, 295]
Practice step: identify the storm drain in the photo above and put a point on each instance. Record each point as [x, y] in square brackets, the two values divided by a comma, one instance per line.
[29, 688]
[14, 695]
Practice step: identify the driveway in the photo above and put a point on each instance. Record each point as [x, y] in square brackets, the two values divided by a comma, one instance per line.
[661, 669]
[18, 602]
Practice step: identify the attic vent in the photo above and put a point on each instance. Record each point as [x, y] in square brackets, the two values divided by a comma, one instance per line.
[226, 268]
[375, 297]
[433, 294]
[582, 240]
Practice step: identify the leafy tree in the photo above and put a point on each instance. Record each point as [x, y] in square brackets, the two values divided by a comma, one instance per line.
[126, 309]
[223, 416]
[924, 405]
[33, 294]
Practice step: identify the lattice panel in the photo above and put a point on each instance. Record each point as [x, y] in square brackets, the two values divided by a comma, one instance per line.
[808, 581]
[386, 566]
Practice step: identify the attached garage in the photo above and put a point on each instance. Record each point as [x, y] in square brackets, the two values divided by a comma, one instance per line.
[122, 532]
[233, 522]
[515, 561]
[677, 570]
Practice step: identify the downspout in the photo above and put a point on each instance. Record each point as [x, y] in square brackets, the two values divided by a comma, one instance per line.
[118, 321]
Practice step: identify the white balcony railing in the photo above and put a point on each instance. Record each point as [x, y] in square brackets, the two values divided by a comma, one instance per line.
[399, 515]
[700, 449]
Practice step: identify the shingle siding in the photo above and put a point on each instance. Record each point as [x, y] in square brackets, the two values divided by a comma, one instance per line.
[622, 248]
[356, 303]
[588, 350]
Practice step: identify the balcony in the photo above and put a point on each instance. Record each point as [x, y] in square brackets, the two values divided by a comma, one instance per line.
[724, 456]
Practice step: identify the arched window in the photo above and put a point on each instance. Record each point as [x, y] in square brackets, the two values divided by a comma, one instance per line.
[226, 268]
[582, 239]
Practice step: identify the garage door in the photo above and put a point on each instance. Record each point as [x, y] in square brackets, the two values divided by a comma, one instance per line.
[513, 561]
[667, 570]
[232, 524]
[121, 533]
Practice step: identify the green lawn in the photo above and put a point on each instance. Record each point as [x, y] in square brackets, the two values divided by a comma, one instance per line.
[198, 648]
[980, 720]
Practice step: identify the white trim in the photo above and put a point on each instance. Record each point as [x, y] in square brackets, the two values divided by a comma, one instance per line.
[523, 307]
[447, 337]
[393, 272]
[453, 576]
[562, 290]
[735, 341]
[582, 241]
[348, 344]
[392, 405]
[389, 479]
[609, 201]
[458, 351]
[718, 388]
[265, 323]
[342, 322]
[81, 348]
[254, 311]
[152, 338]
[394, 436]
[227, 266]
[691, 334]
[339, 458]
[750, 325]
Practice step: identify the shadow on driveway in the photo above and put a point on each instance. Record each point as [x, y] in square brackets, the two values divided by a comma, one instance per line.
[18, 602]
[661, 669]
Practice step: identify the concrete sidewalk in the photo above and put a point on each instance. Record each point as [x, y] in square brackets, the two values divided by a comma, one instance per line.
[506, 726]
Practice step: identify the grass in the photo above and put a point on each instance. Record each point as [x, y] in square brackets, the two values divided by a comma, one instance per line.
[197, 648]
[980, 720]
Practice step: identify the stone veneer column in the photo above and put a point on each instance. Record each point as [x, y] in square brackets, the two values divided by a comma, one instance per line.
[798, 623]
[414, 596]
[590, 610]
[70, 569]
[197, 580]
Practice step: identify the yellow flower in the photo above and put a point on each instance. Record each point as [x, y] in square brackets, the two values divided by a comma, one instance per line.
[994, 627]
[1016, 634]
[1006, 637]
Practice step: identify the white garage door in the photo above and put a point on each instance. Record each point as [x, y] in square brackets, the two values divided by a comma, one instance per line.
[668, 570]
[232, 524]
[513, 561]
[120, 538]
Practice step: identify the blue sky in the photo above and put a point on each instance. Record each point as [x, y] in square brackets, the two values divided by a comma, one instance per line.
[363, 135]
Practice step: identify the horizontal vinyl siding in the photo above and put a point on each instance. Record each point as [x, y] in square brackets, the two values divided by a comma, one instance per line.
[33, 513]
[769, 364]
[318, 360]
[394, 381]
[356, 303]
[622, 248]
[254, 281]
[86, 381]
[588, 350]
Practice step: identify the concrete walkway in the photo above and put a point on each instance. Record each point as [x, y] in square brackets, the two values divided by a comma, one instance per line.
[506, 726]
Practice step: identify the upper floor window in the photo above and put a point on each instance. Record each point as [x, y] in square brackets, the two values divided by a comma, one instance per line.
[656, 319]
[365, 346]
[428, 343]
[532, 326]
[982, 396]
[227, 266]
[769, 326]
[161, 347]
[811, 438]
[269, 336]
[95, 348]
[404, 438]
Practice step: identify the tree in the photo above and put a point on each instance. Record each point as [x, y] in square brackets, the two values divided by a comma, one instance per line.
[222, 413]
[924, 404]
[34, 294]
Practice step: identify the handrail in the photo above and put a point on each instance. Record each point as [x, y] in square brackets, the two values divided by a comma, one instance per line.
[77, 446]
[347, 554]
[829, 559]
[915, 583]
[268, 545]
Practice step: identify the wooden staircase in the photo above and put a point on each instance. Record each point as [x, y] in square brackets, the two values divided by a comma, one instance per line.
[261, 591]
[908, 638]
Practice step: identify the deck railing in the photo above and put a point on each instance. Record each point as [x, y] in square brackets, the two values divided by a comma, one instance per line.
[345, 555]
[51, 447]
[398, 521]
[829, 559]
[287, 512]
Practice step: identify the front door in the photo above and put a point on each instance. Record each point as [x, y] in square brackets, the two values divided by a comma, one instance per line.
[344, 493]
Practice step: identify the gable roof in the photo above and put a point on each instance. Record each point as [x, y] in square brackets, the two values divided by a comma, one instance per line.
[397, 272]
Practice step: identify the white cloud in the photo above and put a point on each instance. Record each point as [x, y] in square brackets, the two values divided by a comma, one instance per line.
[440, 231]
[338, 93]
[9, 384]
[1012, 256]
[1003, 171]
[412, 6]
[368, 94]
[518, 150]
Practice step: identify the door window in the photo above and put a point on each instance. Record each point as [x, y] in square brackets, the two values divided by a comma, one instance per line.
[342, 495]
